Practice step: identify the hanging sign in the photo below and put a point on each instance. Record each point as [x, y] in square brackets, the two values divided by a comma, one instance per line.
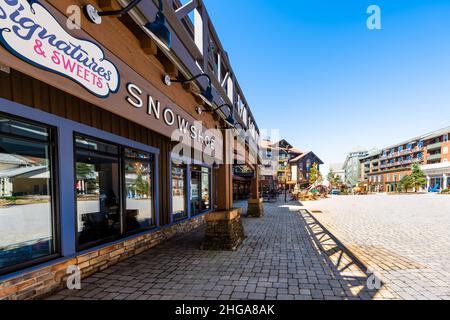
[31, 33]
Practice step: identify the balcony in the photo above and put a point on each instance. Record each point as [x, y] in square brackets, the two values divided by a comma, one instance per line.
[434, 146]
[434, 157]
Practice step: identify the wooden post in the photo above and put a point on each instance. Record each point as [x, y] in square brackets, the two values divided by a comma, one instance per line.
[224, 229]
[255, 204]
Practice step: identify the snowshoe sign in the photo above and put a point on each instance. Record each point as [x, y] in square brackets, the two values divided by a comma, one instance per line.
[31, 33]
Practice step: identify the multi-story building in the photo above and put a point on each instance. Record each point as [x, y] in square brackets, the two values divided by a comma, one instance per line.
[300, 166]
[382, 172]
[269, 165]
[283, 164]
[370, 169]
[338, 171]
[352, 166]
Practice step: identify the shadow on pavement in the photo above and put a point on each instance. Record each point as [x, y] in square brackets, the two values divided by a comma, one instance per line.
[351, 272]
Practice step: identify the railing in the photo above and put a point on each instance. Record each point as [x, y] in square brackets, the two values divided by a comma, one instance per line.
[401, 153]
[434, 146]
[196, 49]
[434, 157]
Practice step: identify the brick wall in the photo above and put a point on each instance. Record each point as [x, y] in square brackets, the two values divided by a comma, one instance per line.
[46, 280]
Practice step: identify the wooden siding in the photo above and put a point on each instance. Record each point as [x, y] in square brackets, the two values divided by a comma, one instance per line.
[25, 90]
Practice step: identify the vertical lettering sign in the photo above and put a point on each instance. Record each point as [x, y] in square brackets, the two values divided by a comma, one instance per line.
[30, 32]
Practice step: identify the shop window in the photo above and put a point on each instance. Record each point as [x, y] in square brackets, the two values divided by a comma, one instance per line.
[138, 167]
[179, 192]
[98, 191]
[27, 194]
[114, 188]
[200, 190]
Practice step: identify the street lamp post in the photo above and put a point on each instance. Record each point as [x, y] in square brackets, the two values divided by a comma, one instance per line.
[285, 181]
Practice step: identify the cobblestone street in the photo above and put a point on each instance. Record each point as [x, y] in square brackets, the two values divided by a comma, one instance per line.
[286, 256]
[404, 239]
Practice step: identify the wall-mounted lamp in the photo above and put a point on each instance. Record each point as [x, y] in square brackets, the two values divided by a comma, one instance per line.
[206, 94]
[158, 29]
[229, 120]
[95, 16]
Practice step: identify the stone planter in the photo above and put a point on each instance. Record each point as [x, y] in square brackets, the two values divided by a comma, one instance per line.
[224, 230]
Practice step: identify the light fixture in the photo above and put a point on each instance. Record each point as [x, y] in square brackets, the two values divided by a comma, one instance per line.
[206, 94]
[158, 29]
[95, 16]
[167, 80]
[230, 118]
[199, 110]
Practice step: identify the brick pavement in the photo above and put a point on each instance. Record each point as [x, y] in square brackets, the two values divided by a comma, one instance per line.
[284, 257]
[405, 239]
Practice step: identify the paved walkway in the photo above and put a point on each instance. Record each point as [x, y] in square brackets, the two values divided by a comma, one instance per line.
[286, 256]
[404, 239]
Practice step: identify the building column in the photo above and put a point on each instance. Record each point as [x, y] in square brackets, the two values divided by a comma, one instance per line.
[445, 181]
[224, 229]
[255, 204]
[428, 183]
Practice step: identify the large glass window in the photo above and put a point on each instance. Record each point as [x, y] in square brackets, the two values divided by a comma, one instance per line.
[98, 190]
[27, 219]
[138, 190]
[114, 187]
[200, 189]
[179, 192]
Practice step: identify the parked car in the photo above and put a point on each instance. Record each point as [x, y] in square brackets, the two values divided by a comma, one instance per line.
[335, 192]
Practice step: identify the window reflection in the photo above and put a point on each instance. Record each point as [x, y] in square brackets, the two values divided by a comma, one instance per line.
[138, 189]
[114, 191]
[98, 192]
[200, 189]
[179, 192]
[26, 201]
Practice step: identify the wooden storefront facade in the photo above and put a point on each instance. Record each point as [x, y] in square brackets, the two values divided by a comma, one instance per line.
[35, 99]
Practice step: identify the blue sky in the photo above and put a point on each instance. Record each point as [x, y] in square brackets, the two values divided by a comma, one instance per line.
[313, 70]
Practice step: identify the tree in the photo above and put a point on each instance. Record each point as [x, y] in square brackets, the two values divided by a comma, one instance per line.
[417, 177]
[141, 186]
[315, 177]
[405, 183]
[338, 181]
[331, 178]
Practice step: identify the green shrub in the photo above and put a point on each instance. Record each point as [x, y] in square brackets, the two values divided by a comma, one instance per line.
[446, 191]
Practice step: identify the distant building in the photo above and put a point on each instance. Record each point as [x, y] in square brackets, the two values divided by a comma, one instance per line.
[338, 170]
[370, 166]
[269, 165]
[300, 166]
[282, 163]
[352, 166]
[382, 171]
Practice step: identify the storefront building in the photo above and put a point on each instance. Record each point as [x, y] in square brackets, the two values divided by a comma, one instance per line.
[89, 125]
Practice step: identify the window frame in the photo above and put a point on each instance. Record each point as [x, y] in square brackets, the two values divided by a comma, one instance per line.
[153, 186]
[52, 143]
[122, 205]
[186, 169]
[210, 174]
